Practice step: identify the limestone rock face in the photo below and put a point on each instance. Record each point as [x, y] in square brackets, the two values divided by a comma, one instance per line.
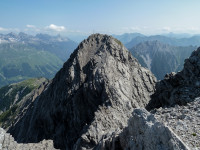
[7, 142]
[92, 96]
[144, 132]
[179, 88]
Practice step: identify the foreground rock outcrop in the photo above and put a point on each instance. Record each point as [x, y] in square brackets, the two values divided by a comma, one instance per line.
[144, 132]
[179, 88]
[7, 142]
[91, 97]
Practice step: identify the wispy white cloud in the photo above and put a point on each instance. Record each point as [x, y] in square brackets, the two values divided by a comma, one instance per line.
[159, 30]
[193, 29]
[56, 28]
[166, 29]
[181, 29]
[30, 26]
[32, 29]
[132, 29]
[3, 29]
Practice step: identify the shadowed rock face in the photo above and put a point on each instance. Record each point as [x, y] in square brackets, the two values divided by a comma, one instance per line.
[179, 88]
[92, 96]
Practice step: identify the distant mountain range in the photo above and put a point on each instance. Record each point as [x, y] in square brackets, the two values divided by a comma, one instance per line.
[194, 40]
[24, 56]
[160, 53]
[58, 45]
[132, 39]
[128, 37]
[161, 58]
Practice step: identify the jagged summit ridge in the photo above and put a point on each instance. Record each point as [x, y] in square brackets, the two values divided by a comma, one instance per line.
[92, 96]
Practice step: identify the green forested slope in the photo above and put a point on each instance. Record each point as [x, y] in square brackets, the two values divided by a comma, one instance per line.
[21, 61]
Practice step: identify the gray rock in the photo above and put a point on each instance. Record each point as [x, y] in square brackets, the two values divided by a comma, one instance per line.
[185, 122]
[7, 143]
[92, 96]
[144, 132]
[179, 88]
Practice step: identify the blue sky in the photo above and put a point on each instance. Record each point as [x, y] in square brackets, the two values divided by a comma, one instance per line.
[104, 16]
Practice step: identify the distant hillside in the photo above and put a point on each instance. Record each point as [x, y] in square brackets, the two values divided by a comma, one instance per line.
[13, 96]
[21, 61]
[62, 47]
[24, 56]
[161, 58]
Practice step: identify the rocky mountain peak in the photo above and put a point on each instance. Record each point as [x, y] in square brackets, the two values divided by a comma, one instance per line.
[12, 35]
[24, 36]
[43, 36]
[91, 97]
